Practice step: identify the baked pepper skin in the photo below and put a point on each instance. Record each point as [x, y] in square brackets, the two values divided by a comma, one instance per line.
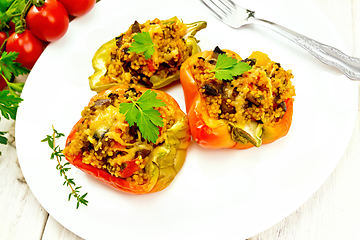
[102, 57]
[167, 158]
[213, 133]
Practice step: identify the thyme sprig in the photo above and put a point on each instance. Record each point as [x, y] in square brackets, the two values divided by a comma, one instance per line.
[64, 168]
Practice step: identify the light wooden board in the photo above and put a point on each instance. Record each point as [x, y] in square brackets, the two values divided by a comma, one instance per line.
[332, 213]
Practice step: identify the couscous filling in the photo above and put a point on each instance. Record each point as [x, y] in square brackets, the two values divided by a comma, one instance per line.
[257, 95]
[105, 140]
[170, 52]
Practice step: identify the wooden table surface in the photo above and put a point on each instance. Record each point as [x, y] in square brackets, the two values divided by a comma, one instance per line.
[332, 213]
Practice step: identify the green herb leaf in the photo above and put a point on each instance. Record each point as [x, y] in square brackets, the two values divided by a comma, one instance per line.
[131, 111]
[9, 66]
[143, 44]
[3, 140]
[142, 113]
[57, 153]
[148, 100]
[227, 67]
[13, 13]
[148, 128]
[16, 88]
[9, 104]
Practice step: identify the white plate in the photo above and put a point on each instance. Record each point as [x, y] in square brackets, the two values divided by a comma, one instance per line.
[219, 194]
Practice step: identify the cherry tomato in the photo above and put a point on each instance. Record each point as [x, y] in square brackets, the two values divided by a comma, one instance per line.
[12, 28]
[49, 22]
[79, 7]
[27, 45]
[6, 32]
[3, 37]
[3, 84]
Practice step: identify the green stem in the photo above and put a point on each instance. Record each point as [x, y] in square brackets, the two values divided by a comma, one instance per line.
[19, 28]
[3, 44]
[61, 166]
[38, 3]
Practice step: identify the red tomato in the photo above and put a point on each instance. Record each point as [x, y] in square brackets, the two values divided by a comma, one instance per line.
[79, 7]
[3, 84]
[3, 37]
[12, 28]
[27, 45]
[49, 22]
[6, 32]
[151, 65]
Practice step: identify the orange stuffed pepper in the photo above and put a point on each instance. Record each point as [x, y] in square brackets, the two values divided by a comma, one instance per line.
[132, 138]
[235, 103]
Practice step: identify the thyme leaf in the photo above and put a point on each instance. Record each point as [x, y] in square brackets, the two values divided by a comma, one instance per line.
[63, 168]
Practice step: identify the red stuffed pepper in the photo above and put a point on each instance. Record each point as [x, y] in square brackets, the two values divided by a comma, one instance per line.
[109, 142]
[235, 103]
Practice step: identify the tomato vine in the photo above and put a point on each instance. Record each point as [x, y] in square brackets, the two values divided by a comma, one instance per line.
[24, 34]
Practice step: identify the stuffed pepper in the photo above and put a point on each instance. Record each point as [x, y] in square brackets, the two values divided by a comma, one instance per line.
[235, 103]
[149, 54]
[132, 138]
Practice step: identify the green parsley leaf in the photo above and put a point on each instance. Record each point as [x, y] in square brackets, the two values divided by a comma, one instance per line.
[131, 110]
[3, 140]
[142, 113]
[8, 66]
[13, 13]
[148, 100]
[9, 104]
[154, 117]
[143, 44]
[227, 67]
[147, 127]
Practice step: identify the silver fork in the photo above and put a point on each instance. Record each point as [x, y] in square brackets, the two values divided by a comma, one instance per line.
[236, 16]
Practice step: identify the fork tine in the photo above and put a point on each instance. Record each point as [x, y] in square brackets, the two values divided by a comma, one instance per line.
[220, 8]
[228, 12]
[220, 15]
[230, 5]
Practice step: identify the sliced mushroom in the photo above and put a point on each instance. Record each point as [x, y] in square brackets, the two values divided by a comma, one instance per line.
[226, 107]
[143, 153]
[135, 28]
[210, 90]
[119, 40]
[282, 105]
[250, 61]
[101, 103]
[216, 52]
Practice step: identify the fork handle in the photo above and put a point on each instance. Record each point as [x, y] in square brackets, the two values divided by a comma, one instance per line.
[350, 66]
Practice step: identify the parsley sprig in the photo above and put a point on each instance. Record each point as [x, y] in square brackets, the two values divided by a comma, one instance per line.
[143, 113]
[10, 99]
[143, 44]
[10, 68]
[3, 140]
[63, 168]
[9, 104]
[227, 67]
